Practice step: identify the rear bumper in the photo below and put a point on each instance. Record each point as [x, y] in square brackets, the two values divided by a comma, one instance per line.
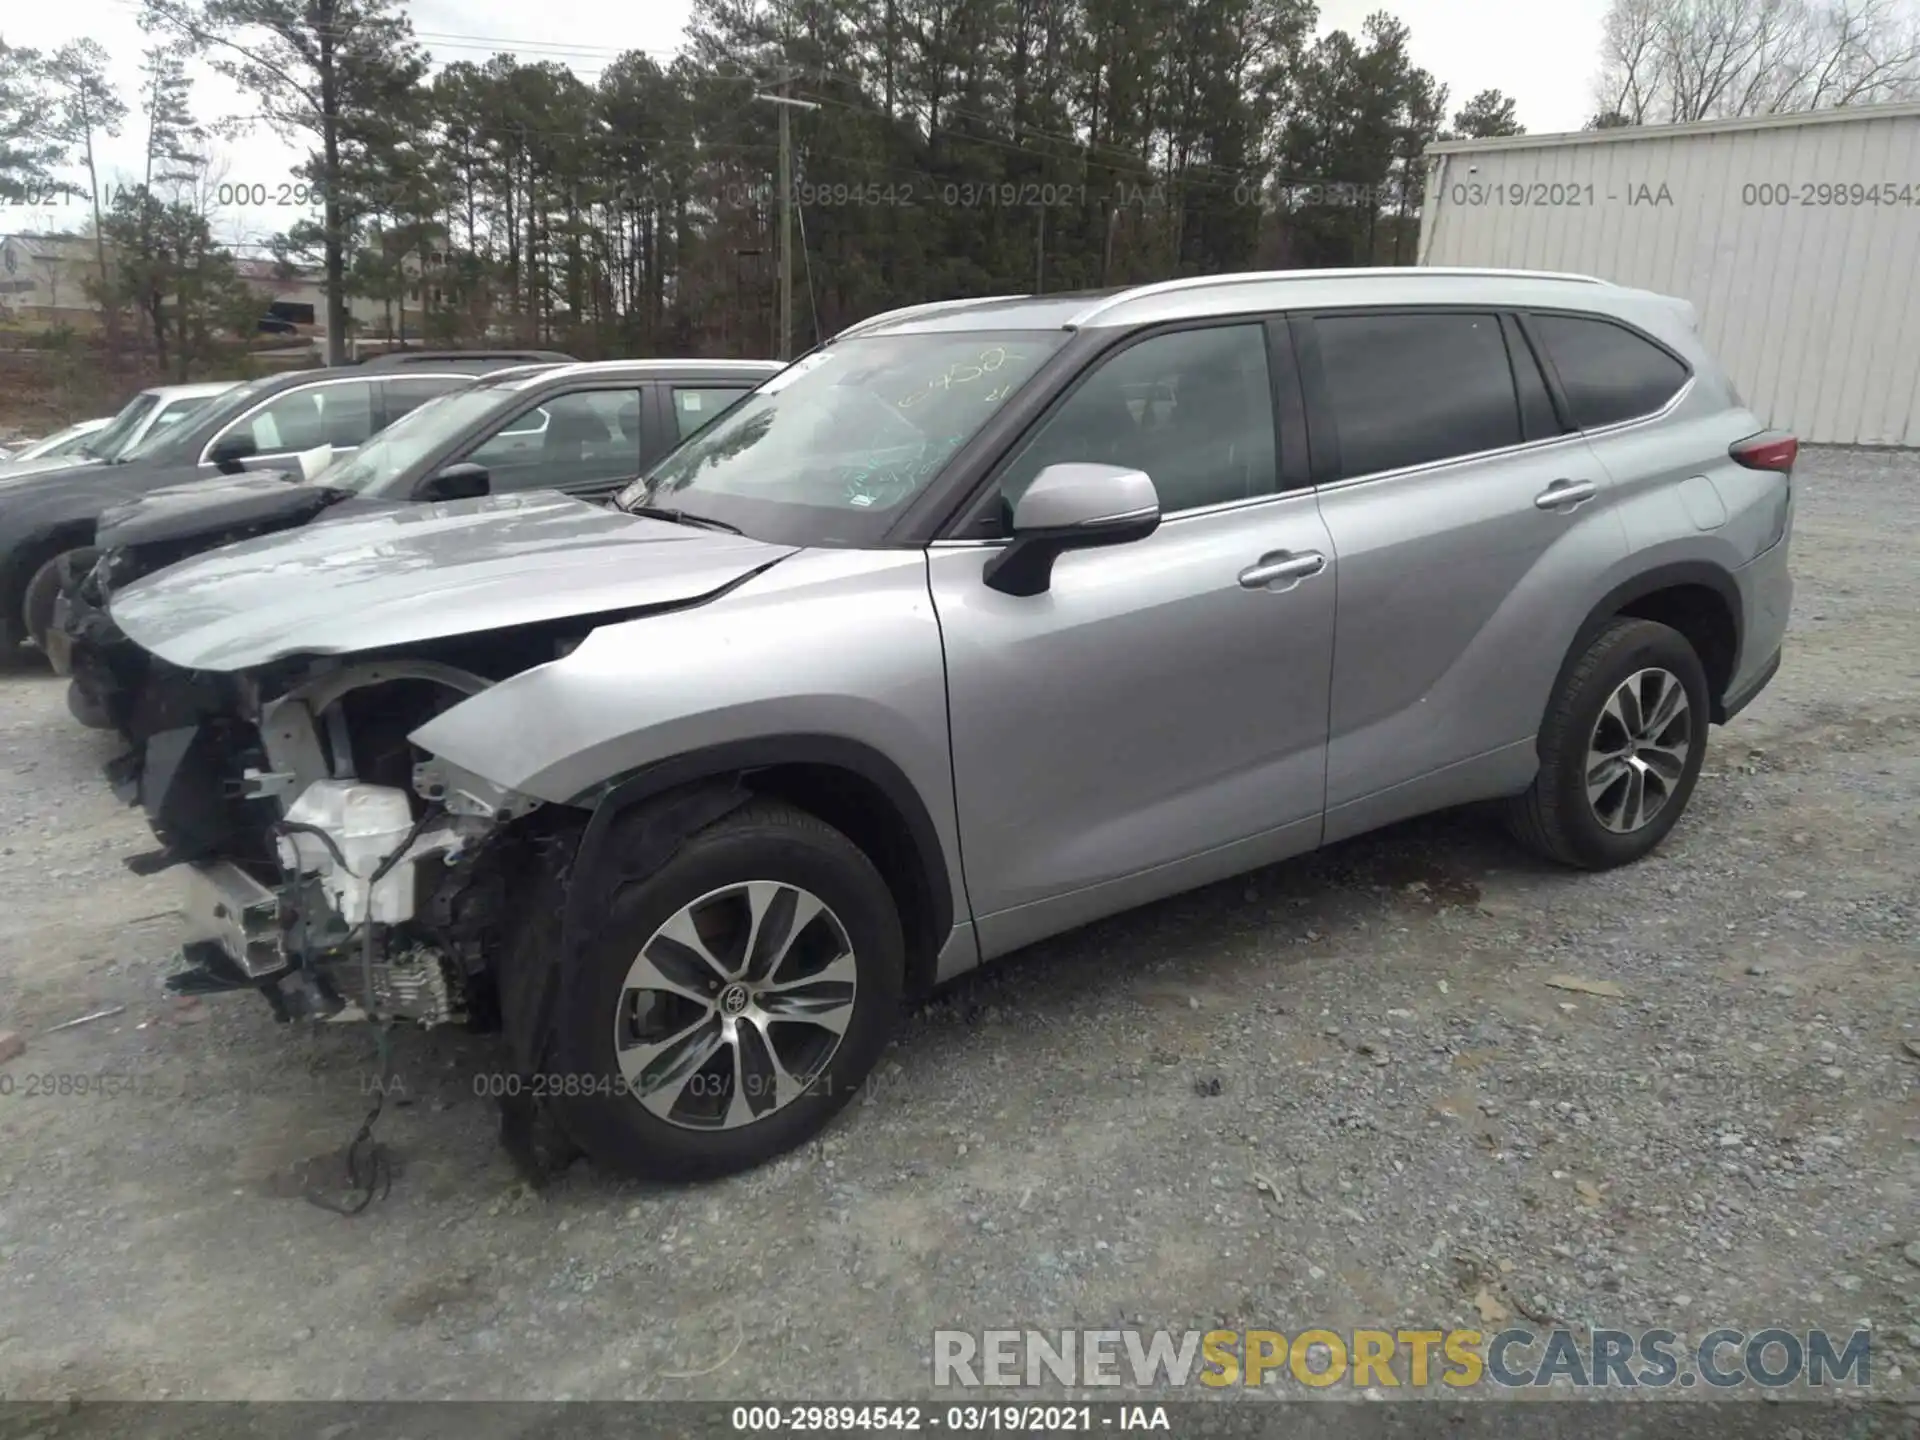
[1765, 584]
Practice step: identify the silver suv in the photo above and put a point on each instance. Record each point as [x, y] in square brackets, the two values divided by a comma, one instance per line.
[983, 621]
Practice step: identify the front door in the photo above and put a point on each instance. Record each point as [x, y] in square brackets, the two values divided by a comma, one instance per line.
[1158, 718]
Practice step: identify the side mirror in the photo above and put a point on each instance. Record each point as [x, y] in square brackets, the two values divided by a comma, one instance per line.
[1072, 507]
[465, 481]
[230, 450]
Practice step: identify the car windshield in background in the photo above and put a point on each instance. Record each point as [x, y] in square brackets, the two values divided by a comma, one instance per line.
[180, 410]
[385, 460]
[107, 443]
[219, 408]
[829, 450]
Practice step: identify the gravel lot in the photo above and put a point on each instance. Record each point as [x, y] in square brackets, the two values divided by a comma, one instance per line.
[1339, 1092]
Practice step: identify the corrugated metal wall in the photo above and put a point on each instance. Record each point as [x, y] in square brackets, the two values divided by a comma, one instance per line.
[1806, 289]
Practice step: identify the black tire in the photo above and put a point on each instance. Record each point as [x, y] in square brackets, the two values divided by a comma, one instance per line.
[87, 708]
[1554, 817]
[36, 601]
[764, 840]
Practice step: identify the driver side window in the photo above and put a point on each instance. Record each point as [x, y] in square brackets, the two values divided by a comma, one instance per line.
[581, 439]
[1194, 409]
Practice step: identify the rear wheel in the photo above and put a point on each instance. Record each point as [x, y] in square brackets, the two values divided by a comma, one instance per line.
[1620, 749]
[731, 1002]
[36, 604]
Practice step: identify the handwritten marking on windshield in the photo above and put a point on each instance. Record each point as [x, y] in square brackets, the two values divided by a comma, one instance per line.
[958, 373]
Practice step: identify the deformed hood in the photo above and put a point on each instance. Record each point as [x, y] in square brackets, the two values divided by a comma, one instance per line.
[374, 580]
[210, 507]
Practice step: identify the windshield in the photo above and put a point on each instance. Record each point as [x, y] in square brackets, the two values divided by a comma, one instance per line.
[391, 455]
[178, 410]
[107, 443]
[829, 450]
[217, 409]
[63, 442]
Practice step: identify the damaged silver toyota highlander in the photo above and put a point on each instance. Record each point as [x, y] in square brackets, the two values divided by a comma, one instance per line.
[981, 622]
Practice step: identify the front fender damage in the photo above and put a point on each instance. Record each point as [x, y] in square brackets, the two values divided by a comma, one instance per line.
[325, 864]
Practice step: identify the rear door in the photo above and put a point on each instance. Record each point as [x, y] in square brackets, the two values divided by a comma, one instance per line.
[1470, 525]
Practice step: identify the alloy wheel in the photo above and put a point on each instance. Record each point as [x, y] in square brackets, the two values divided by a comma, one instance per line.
[1639, 749]
[734, 1005]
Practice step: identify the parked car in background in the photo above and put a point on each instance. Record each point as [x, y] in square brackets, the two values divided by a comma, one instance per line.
[60, 442]
[147, 414]
[981, 622]
[47, 519]
[585, 429]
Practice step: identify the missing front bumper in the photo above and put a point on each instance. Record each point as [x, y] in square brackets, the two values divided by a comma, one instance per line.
[227, 908]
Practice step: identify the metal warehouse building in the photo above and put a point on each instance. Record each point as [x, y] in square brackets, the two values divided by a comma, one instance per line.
[1796, 237]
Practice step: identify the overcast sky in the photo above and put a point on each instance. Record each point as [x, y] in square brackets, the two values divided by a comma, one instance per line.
[1541, 54]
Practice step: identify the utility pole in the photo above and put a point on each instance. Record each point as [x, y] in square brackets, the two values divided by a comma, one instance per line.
[786, 103]
[1040, 256]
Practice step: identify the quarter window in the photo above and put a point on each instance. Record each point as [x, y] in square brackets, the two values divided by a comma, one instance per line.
[1609, 373]
[1416, 389]
[1194, 409]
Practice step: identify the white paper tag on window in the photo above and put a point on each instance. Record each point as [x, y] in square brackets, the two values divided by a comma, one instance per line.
[313, 461]
[690, 401]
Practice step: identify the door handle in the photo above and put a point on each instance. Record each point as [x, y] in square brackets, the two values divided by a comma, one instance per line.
[1565, 494]
[1282, 566]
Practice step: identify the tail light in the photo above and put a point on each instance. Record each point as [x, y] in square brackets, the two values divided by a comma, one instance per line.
[1769, 450]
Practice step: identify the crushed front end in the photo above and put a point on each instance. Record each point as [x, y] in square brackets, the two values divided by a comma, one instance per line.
[107, 671]
[323, 864]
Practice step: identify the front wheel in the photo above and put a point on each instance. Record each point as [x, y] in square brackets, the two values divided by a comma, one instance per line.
[36, 604]
[731, 1002]
[1620, 750]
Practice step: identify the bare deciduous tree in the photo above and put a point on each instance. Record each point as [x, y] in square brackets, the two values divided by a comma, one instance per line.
[1670, 61]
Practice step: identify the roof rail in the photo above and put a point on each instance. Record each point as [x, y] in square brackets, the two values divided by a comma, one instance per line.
[932, 307]
[1207, 282]
[442, 357]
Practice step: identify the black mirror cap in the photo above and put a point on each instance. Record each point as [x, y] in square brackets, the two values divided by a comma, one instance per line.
[1025, 567]
[227, 455]
[465, 481]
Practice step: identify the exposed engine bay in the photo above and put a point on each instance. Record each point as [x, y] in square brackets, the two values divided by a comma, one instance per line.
[328, 864]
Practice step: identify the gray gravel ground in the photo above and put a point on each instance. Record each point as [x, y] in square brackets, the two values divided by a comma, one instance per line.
[1338, 1092]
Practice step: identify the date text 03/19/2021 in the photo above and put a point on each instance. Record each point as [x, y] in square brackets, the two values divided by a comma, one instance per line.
[1006, 1419]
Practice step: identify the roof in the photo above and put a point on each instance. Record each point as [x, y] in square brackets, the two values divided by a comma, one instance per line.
[744, 368]
[189, 392]
[51, 247]
[254, 268]
[1840, 115]
[1234, 294]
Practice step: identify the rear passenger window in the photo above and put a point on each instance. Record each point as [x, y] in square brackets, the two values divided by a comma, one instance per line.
[1416, 389]
[1537, 419]
[415, 390]
[695, 408]
[1609, 373]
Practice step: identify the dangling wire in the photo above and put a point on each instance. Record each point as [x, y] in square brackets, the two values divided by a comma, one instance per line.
[369, 1167]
